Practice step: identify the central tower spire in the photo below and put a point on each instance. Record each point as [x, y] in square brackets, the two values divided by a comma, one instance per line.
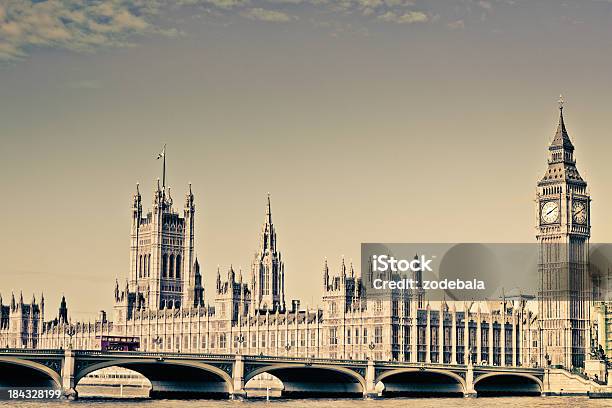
[268, 273]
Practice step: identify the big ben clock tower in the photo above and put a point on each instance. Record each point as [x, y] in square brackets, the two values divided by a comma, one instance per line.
[563, 231]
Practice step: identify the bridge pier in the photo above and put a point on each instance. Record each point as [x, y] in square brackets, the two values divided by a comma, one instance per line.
[68, 369]
[238, 392]
[546, 383]
[370, 389]
[470, 391]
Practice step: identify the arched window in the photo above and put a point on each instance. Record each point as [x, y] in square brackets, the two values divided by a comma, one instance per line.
[178, 267]
[139, 267]
[165, 265]
[149, 265]
[171, 266]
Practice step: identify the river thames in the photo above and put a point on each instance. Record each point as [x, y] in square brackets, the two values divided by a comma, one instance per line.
[508, 402]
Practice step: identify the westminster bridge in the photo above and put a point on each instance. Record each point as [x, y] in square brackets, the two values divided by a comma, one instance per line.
[182, 375]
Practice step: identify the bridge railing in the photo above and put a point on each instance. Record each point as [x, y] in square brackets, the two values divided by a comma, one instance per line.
[84, 353]
[31, 351]
[259, 357]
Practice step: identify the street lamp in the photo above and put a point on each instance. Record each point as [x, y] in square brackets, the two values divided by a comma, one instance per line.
[70, 332]
[371, 346]
[240, 342]
[157, 341]
[287, 348]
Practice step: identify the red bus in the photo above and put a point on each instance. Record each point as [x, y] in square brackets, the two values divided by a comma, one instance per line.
[118, 343]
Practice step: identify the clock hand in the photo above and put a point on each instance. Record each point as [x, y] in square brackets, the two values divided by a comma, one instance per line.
[548, 213]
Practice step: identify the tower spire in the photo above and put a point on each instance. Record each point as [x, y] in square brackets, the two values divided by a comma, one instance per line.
[267, 269]
[562, 138]
[269, 211]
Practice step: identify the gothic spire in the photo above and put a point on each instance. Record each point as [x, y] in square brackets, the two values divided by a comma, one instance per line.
[561, 162]
[269, 212]
[268, 237]
[189, 199]
[562, 138]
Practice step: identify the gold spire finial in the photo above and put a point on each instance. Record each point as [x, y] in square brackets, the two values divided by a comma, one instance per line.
[561, 102]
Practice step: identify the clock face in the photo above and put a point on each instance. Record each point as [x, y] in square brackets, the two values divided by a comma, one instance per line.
[550, 212]
[579, 212]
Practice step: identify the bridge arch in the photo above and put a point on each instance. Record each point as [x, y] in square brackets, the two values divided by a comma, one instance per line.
[27, 373]
[309, 380]
[507, 384]
[421, 382]
[173, 379]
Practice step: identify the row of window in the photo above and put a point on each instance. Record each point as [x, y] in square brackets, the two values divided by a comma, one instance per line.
[171, 266]
[357, 339]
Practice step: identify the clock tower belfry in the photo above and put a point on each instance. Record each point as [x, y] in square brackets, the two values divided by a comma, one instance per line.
[563, 231]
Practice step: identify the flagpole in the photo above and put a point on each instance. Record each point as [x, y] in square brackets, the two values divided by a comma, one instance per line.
[164, 170]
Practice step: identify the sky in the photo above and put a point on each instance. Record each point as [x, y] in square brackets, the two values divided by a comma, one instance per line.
[366, 121]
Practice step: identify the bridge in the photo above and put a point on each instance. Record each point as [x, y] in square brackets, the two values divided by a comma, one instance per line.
[182, 375]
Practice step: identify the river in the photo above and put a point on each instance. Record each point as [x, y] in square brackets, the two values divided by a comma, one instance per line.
[506, 402]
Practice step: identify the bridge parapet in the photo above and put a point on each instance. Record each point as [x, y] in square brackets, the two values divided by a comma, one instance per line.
[126, 354]
[12, 351]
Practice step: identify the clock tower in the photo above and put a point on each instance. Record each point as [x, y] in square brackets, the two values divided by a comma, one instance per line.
[563, 231]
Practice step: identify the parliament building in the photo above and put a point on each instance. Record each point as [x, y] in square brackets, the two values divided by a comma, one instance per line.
[164, 303]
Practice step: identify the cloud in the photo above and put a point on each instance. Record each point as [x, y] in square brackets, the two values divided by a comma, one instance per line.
[226, 4]
[88, 25]
[267, 15]
[79, 25]
[406, 18]
[485, 5]
[456, 25]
